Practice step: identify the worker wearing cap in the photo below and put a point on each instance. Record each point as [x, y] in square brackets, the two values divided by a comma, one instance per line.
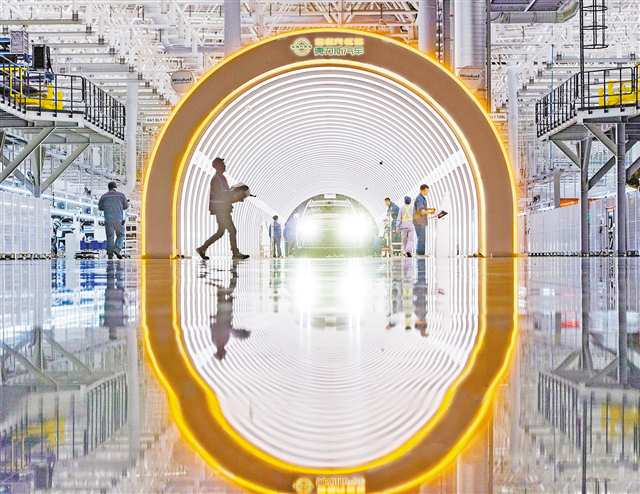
[275, 234]
[221, 205]
[113, 204]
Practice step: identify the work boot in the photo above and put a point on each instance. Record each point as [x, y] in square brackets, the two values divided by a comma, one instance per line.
[202, 253]
[118, 255]
[240, 256]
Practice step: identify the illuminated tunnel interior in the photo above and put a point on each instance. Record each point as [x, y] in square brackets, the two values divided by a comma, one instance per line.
[330, 129]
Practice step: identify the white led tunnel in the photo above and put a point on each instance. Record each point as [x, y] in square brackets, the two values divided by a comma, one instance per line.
[330, 130]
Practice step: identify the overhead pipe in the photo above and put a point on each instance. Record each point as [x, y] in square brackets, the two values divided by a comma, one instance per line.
[565, 12]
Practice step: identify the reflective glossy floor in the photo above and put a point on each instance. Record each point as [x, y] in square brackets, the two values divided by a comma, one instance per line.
[320, 375]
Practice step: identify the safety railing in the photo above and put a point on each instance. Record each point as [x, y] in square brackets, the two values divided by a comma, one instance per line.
[46, 92]
[600, 90]
[559, 106]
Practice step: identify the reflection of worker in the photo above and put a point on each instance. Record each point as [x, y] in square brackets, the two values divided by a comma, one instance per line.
[275, 235]
[402, 297]
[275, 283]
[114, 299]
[113, 205]
[222, 323]
[420, 298]
[221, 199]
[420, 214]
[407, 229]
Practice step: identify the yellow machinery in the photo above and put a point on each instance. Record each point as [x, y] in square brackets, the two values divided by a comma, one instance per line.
[620, 93]
[25, 93]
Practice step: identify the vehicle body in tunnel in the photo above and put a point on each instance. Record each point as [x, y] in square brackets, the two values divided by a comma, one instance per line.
[332, 224]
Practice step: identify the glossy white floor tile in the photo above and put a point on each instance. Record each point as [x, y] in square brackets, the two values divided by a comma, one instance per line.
[320, 363]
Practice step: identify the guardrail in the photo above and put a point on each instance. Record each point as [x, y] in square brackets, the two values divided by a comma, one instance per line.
[593, 90]
[46, 92]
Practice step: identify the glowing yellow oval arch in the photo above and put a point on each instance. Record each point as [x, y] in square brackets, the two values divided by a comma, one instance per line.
[193, 405]
[384, 56]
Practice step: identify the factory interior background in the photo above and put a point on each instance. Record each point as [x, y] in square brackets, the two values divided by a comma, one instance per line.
[367, 333]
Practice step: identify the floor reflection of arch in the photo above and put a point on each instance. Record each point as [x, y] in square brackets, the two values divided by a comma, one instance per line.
[463, 407]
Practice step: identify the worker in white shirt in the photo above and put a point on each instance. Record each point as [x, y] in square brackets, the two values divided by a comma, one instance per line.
[407, 228]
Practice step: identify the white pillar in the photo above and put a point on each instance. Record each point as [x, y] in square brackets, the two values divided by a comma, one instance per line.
[131, 128]
[470, 47]
[232, 31]
[470, 33]
[513, 79]
[427, 19]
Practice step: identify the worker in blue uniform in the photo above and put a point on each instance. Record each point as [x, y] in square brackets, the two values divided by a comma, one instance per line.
[392, 213]
[275, 234]
[113, 204]
[421, 213]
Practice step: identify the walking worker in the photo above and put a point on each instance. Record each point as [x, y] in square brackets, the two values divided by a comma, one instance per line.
[221, 199]
[407, 229]
[113, 204]
[421, 213]
[275, 234]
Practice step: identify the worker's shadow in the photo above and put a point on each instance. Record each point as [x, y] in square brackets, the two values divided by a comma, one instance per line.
[222, 322]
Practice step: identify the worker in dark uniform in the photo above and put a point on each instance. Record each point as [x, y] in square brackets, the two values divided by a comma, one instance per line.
[275, 234]
[113, 205]
[392, 213]
[221, 205]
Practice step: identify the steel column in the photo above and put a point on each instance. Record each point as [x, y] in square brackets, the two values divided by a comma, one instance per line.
[513, 78]
[586, 361]
[36, 170]
[621, 196]
[487, 40]
[447, 45]
[623, 367]
[585, 154]
[131, 127]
